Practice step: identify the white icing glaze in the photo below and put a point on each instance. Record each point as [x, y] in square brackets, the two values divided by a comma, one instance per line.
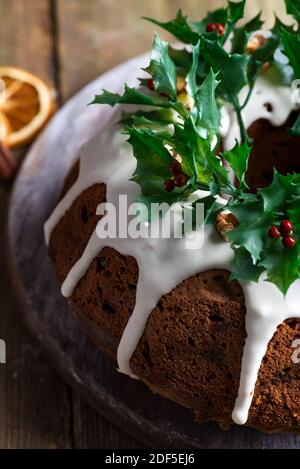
[276, 95]
[267, 309]
[165, 263]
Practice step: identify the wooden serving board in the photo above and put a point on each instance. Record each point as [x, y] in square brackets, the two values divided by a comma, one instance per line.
[129, 404]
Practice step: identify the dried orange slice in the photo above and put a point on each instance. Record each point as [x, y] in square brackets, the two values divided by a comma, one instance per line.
[26, 103]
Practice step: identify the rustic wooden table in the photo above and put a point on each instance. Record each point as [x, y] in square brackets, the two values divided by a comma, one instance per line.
[67, 43]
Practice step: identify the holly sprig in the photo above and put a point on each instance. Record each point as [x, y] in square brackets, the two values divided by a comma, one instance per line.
[175, 136]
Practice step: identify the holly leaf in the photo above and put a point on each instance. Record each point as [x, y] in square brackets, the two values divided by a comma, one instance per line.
[275, 195]
[241, 35]
[236, 11]
[294, 213]
[211, 208]
[160, 117]
[135, 97]
[179, 27]
[153, 162]
[181, 58]
[238, 159]
[232, 68]
[253, 236]
[291, 48]
[181, 143]
[162, 69]
[161, 129]
[219, 173]
[247, 211]
[193, 150]
[279, 59]
[293, 192]
[243, 268]
[191, 78]
[152, 143]
[281, 198]
[207, 114]
[130, 96]
[153, 159]
[281, 264]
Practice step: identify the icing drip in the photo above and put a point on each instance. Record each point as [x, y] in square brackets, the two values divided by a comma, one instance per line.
[267, 309]
[165, 263]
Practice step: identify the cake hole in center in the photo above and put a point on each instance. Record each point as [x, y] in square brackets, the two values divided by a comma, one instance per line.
[273, 147]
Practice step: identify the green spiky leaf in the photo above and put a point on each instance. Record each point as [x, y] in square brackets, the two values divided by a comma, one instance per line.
[253, 236]
[162, 69]
[243, 268]
[179, 27]
[238, 159]
[232, 68]
[136, 97]
[291, 48]
[207, 113]
[282, 265]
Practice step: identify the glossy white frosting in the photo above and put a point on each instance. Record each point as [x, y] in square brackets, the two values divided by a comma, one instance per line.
[165, 263]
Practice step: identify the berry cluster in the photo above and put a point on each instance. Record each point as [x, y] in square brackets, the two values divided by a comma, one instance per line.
[179, 178]
[285, 231]
[216, 27]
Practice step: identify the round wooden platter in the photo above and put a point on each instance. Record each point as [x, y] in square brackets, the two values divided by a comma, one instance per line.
[129, 404]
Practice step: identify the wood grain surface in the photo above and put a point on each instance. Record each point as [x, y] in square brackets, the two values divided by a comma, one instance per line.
[67, 43]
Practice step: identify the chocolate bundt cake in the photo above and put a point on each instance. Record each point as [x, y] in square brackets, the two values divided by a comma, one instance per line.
[192, 347]
[225, 346]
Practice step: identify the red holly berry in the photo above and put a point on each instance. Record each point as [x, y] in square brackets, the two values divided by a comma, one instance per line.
[220, 28]
[274, 232]
[175, 167]
[169, 185]
[213, 27]
[181, 180]
[150, 85]
[286, 226]
[289, 242]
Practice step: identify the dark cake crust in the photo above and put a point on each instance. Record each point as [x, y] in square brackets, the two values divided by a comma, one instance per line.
[192, 347]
